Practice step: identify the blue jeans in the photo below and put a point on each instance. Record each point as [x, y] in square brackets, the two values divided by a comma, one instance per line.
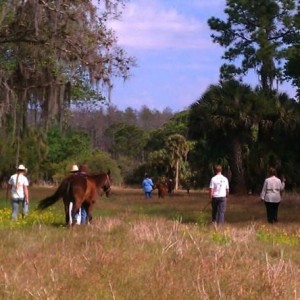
[83, 216]
[218, 209]
[15, 207]
[148, 194]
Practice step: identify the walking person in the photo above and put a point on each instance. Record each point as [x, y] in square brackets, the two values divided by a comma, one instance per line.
[170, 185]
[81, 216]
[218, 193]
[18, 185]
[271, 195]
[147, 185]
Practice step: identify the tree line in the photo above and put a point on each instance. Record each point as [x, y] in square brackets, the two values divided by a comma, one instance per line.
[57, 65]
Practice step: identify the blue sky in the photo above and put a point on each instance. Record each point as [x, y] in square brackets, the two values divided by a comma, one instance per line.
[176, 59]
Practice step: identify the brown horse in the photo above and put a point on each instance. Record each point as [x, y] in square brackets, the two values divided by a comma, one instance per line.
[76, 191]
[162, 189]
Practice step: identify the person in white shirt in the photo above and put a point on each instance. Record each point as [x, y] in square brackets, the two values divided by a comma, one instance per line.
[218, 193]
[18, 184]
[271, 195]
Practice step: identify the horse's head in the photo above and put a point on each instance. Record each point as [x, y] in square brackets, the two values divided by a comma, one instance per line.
[102, 181]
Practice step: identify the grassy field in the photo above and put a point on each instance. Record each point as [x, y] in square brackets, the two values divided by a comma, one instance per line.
[152, 249]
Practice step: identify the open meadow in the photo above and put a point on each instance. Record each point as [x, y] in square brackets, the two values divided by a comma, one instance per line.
[151, 249]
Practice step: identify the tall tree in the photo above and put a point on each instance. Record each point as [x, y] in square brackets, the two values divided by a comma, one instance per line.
[258, 32]
[46, 48]
[49, 50]
[127, 140]
[292, 70]
[177, 148]
[225, 116]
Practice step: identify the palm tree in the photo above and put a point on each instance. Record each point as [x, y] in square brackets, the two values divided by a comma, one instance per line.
[225, 116]
[278, 131]
[178, 148]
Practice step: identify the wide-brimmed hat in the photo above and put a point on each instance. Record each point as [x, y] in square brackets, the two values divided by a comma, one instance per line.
[21, 168]
[74, 168]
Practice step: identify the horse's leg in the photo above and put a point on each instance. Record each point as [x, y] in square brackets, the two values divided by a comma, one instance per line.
[66, 212]
[67, 217]
[89, 216]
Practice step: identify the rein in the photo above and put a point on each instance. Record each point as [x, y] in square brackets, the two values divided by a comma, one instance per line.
[105, 185]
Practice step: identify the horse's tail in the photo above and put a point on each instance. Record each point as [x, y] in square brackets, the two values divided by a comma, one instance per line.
[60, 192]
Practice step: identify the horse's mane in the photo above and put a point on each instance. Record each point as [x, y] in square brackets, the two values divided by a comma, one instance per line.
[100, 178]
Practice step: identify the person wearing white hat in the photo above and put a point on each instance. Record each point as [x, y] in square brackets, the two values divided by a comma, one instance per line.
[74, 169]
[81, 216]
[18, 184]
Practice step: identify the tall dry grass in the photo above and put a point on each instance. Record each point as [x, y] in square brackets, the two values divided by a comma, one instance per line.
[158, 249]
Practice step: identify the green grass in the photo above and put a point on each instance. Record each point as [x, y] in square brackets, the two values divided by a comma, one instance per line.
[157, 249]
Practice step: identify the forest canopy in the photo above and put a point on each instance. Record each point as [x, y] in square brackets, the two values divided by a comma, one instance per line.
[58, 61]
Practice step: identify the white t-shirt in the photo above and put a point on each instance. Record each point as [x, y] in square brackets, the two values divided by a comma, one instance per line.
[17, 190]
[219, 185]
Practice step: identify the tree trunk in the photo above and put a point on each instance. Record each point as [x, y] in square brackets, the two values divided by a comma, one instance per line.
[177, 175]
[238, 183]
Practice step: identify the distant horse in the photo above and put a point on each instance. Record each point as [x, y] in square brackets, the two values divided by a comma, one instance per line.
[161, 188]
[76, 191]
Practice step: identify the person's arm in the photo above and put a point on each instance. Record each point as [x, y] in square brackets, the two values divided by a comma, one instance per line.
[26, 193]
[282, 184]
[227, 188]
[210, 189]
[263, 191]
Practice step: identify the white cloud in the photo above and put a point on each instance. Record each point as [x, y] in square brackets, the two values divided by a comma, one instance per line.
[150, 25]
[175, 54]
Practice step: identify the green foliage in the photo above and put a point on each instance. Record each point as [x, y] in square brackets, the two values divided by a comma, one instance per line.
[67, 146]
[221, 122]
[127, 140]
[258, 32]
[177, 124]
[292, 67]
[33, 218]
[52, 55]
[221, 238]
[247, 130]
[97, 162]
[82, 91]
[157, 140]
[100, 161]
[279, 237]
[203, 219]
[33, 152]
[7, 156]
